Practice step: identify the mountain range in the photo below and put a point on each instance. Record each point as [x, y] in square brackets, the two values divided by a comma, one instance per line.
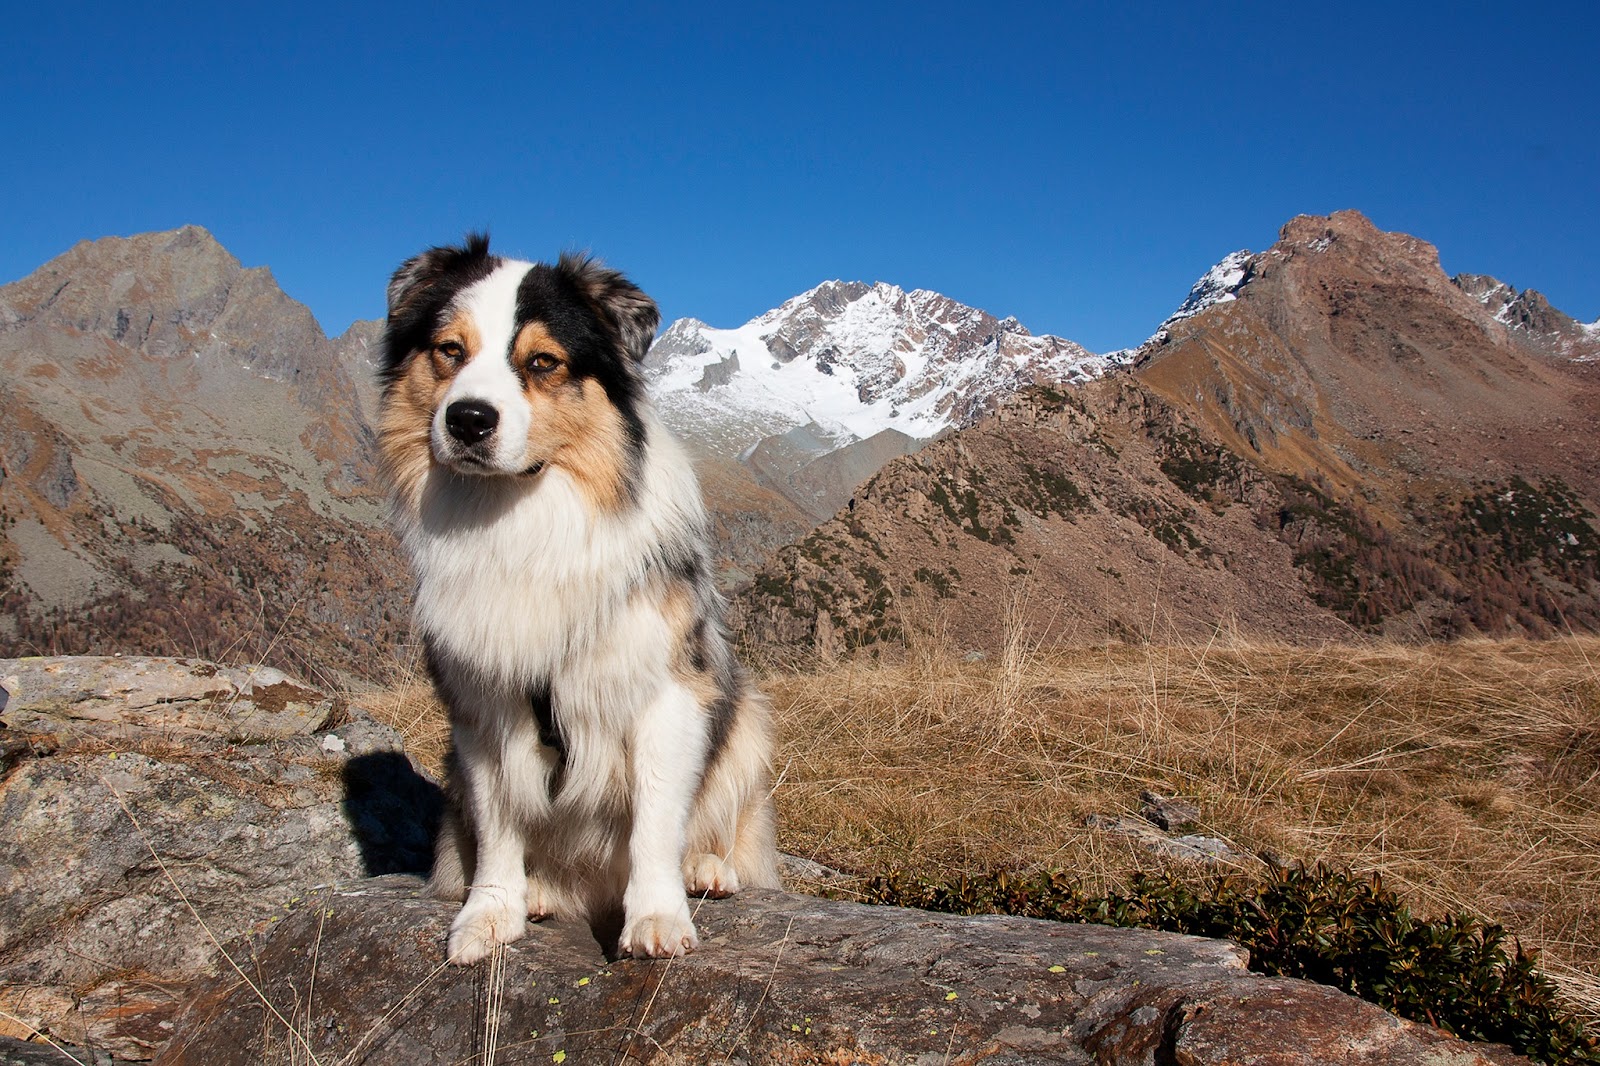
[805, 402]
[1330, 437]
[1325, 438]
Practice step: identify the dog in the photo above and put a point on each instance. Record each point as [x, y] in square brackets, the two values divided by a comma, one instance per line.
[608, 752]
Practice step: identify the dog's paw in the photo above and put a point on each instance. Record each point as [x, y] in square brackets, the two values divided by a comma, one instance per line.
[541, 901]
[659, 936]
[481, 926]
[707, 875]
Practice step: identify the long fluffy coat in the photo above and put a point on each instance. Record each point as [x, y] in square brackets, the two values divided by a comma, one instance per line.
[608, 752]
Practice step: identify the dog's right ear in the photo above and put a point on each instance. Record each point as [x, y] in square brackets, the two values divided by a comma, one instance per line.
[419, 290]
[423, 273]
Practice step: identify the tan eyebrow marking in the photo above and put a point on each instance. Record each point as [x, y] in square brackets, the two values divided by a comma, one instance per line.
[534, 338]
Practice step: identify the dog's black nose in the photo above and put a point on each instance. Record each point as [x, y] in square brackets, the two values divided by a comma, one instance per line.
[470, 422]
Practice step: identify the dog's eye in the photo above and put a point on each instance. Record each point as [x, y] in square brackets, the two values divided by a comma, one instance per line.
[542, 363]
[451, 351]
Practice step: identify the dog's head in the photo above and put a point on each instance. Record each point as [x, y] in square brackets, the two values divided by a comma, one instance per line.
[500, 368]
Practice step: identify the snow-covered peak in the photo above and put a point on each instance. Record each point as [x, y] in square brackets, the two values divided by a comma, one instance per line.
[1218, 285]
[855, 359]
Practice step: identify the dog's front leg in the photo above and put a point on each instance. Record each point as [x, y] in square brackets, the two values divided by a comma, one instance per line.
[665, 761]
[496, 911]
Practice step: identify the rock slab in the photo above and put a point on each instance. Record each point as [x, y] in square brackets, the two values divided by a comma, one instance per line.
[355, 975]
[150, 696]
[151, 808]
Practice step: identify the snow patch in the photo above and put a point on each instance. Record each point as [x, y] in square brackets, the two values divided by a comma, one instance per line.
[853, 359]
[1218, 285]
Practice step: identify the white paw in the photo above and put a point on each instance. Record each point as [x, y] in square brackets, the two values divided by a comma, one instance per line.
[484, 923]
[707, 875]
[659, 936]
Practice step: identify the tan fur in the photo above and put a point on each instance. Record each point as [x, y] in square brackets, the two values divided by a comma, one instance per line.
[404, 422]
[535, 339]
[462, 330]
[577, 428]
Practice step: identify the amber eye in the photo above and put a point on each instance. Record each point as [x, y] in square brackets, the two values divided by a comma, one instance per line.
[451, 350]
[542, 363]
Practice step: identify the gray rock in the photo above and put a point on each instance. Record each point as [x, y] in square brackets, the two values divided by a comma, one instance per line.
[136, 696]
[1188, 848]
[1172, 814]
[793, 868]
[1200, 849]
[354, 975]
[718, 373]
[154, 807]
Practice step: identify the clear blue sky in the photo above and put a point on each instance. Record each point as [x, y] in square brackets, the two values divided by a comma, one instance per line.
[1075, 166]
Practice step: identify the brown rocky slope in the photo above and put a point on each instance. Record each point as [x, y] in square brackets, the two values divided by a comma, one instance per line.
[1352, 442]
[185, 466]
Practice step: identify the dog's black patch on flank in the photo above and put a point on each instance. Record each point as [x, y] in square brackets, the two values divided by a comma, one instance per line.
[544, 716]
[722, 713]
[697, 646]
[421, 290]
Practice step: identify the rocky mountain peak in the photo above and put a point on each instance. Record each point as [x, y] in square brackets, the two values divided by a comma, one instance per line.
[176, 293]
[186, 454]
[1220, 284]
[856, 359]
[1349, 241]
[1527, 311]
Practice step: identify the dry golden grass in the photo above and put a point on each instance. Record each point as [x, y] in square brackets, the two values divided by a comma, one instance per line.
[1467, 774]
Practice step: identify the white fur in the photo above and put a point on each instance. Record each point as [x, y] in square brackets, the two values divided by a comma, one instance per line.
[519, 581]
[488, 377]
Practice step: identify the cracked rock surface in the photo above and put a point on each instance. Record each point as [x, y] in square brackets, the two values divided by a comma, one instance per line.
[355, 975]
[147, 805]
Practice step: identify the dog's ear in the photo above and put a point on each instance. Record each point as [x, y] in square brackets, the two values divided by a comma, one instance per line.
[624, 306]
[420, 274]
[417, 292]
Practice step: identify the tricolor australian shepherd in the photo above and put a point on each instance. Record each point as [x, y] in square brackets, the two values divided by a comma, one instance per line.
[608, 753]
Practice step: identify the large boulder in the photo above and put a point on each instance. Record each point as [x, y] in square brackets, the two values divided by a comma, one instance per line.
[356, 975]
[154, 808]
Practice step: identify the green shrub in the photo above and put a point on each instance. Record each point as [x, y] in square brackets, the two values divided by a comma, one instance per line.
[1338, 929]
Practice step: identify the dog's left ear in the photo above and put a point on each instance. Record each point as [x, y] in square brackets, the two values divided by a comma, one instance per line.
[624, 306]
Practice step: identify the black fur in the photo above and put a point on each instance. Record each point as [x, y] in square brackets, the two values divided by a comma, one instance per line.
[561, 298]
[420, 291]
[544, 714]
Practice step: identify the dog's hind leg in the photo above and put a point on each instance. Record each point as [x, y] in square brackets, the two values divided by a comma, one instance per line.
[732, 838]
[453, 858]
[541, 898]
[705, 874]
[755, 849]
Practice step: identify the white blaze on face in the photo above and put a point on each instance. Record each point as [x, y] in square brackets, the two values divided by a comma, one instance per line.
[487, 378]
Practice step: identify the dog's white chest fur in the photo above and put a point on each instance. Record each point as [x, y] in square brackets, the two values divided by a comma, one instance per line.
[522, 586]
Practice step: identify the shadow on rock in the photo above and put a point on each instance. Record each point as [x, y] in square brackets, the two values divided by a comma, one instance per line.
[394, 812]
